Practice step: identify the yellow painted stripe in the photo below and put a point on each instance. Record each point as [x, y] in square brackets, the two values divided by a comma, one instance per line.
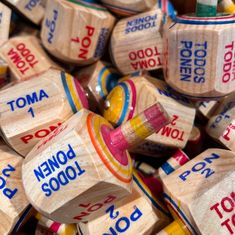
[175, 228]
[103, 81]
[230, 9]
[3, 70]
[70, 229]
[138, 126]
[73, 92]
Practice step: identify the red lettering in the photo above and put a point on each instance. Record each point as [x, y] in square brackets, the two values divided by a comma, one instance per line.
[226, 223]
[26, 138]
[215, 207]
[227, 204]
[90, 30]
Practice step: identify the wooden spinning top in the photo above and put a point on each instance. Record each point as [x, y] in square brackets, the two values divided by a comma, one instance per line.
[200, 194]
[139, 213]
[32, 9]
[199, 55]
[98, 80]
[82, 167]
[128, 8]
[13, 201]
[32, 109]
[79, 45]
[136, 42]
[133, 95]
[5, 18]
[25, 57]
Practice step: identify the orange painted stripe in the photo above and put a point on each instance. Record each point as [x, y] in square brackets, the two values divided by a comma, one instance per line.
[100, 152]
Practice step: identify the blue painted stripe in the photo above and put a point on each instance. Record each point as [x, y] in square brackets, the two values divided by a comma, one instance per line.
[100, 81]
[19, 222]
[150, 198]
[198, 22]
[167, 197]
[80, 231]
[126, 103]
[167, 168]
[69, 97]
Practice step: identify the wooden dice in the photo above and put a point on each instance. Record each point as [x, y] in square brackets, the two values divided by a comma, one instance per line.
[13, 202]
[199, 55]
[207, 108]
[79, 45]
[98, 80]
[221, 124]
[128, 8]
[200, 194]
[78, 170]
[3, 73]
[32, 9]
[32, 109]
[5, 18]
[139, 213]
[25, 57]
[136, 42]
[133, 95]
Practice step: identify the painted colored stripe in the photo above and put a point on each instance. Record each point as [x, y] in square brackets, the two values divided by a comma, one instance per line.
[55, 226]
[106, 81]
[89, 3]
[104, 155]
[133, 103]
[145, 190]
[167, 168]
[21, 219]
[73, 92]
[126, 103]
[80, 231]
[138, 126]
[69, 97]
[180, 212]
[227, 5]
[182, 20]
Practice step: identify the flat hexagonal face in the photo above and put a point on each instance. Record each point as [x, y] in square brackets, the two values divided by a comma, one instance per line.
[199, 56]
[33, 10]
[136, 42]
[129, 7]
[80, 45]
[13, 201]
[32, 109]
[136, 94]
[71, 175]
[193, 189]
[4, 23]
[25, 57]
[139, 213]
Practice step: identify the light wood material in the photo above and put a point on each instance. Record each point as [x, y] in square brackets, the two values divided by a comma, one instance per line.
[32, 109]
[5, 18]
[220, 125]
[128, 8]
[136, 42]
[140, 213]
[178, 159]
[13, 201]
[133, 95]
[98, 80]
[193, 64]
[91, 173]
[79, 45]
[46, 226]
[207, 108]
[32, 9]
[26, 58]
[201, 193]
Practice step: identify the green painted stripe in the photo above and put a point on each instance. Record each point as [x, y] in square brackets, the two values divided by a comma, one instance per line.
[206, 10]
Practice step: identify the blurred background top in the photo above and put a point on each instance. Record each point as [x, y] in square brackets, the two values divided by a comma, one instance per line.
[184, 6]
